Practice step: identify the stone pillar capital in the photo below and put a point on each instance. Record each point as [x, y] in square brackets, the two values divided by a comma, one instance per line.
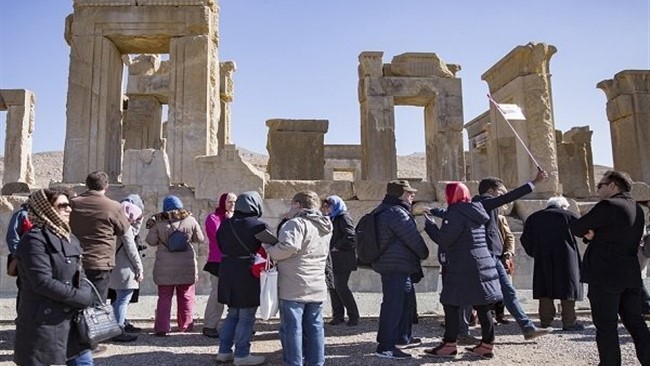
[532, 58]
[370, 63]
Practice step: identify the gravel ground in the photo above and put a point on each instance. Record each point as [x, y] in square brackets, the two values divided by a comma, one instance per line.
[352, 346]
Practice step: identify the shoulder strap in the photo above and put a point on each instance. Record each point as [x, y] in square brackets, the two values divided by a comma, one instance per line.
[232, 228]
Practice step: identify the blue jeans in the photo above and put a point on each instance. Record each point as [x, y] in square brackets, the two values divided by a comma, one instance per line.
[121, 304]
[396, 314]
[237, 329]
[510, 299]
[84, 359]
[301, 333]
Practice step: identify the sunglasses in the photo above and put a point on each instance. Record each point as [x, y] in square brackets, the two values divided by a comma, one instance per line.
[63, 206]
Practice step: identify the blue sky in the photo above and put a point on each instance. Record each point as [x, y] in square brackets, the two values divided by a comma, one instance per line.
[298, 59]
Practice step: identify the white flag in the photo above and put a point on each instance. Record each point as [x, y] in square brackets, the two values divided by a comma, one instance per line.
[512, 112]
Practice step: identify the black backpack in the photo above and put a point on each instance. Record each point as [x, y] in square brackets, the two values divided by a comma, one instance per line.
[177, 240]
[368, 248]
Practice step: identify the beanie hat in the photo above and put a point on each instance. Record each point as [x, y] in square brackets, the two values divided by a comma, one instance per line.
[171, 203]
[397, 188]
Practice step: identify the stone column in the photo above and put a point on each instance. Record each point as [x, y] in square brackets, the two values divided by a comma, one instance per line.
[94, 109]
[19, 104]
[378, 153]
[193, 105]
[478, 133]
[296, 149]
[227, 94]
[575, 162]
[522, 77]
[444, 139]
[628, 112]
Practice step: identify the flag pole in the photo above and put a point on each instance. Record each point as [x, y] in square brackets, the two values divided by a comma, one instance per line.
[515, 132]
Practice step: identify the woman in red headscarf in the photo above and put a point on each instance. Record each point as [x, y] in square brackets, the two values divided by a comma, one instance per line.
[214, 309]
[470, 273]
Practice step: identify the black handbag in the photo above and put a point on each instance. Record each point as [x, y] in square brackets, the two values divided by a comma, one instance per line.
[96, 323]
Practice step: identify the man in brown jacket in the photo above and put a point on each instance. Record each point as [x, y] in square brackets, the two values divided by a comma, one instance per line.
[96, 220]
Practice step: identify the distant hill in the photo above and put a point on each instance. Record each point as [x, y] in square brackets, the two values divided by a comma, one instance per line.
[49, 165]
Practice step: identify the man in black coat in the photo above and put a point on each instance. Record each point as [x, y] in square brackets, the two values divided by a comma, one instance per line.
[613, 230]
[548, 239]
[398, 264]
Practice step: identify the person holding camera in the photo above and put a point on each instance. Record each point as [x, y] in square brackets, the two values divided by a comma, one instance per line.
[128, 272]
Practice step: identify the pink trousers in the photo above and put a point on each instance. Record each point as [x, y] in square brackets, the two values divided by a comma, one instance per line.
[185, 301]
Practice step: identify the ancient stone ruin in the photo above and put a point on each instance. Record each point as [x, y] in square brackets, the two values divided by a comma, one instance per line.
[170, 49]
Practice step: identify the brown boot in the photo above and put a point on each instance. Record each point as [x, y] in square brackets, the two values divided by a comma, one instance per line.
[484, 350]
[445, 349]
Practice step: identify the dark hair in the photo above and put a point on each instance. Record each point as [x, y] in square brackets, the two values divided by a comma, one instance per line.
[621, 179]
[489, 183]
[53, 194]
[97, 181]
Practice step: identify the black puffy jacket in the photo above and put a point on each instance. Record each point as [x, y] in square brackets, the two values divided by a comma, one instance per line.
[398, 234]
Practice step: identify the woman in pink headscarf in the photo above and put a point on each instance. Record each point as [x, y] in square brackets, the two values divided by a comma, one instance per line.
[214, 309]
[470, 273]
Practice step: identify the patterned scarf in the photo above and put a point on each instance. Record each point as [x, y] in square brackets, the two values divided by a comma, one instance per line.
[43, 214]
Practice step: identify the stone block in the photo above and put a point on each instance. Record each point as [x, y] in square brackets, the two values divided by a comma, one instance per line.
[286, 189]
[640, 191]
[15, 188]
[370, 64]
[369, 190]
[421, 64]
[146, 167]
[296, 149]
[227, 172]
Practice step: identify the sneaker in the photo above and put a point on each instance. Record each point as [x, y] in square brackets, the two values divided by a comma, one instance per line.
[225, 357]
[124, 337]
[544, 325]
[575, 327]
[336, 321]
[210, 332]
[249, 360]
[414, 341]
[395, 354]
[468, 340]
[445, 349]
[484, 350]
[130, 328]
[500, 319]
[532, 334]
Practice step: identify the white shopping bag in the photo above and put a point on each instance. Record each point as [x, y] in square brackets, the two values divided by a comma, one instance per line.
[269, 302]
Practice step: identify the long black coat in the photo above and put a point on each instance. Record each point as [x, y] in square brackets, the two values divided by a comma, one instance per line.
[237, 286]
[49, 269]
[470, 271]
[610, 260]
[548, 239]
[342, 244]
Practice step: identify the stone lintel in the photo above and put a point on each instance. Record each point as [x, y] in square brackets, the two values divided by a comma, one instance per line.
[149, 85]
[143, 29]
[533, 58]
[421, 64]
[298, 125]
[342, 151]
[82, 3]
[370, 63]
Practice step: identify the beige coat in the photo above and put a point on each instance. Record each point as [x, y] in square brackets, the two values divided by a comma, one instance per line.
[175, 268]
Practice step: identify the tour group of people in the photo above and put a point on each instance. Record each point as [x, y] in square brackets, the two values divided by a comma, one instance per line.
[58, 238]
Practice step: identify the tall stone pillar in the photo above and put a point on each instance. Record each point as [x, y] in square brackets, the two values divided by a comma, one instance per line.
[19, 104]
[296, 149]
[94, 108]
[193, 106]
[378, 152]
[522, 77]
[628, 112]
[227, 94]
